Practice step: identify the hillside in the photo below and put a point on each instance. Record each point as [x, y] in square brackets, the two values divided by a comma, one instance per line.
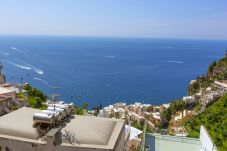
[215, 120]
[216, 71]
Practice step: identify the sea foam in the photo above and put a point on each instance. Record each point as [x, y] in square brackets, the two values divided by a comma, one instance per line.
[19, 66]
[39, 71]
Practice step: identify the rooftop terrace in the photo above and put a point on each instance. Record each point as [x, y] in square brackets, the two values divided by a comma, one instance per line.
[92, 131]
[19, 123]
[157, 142]
[89, 132]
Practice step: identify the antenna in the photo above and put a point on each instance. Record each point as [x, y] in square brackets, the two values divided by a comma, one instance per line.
[55, 94]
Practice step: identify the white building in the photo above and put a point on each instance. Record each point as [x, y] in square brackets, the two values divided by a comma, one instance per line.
[134, 137]
[189, 99]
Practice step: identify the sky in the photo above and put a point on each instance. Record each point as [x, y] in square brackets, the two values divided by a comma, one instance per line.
[130, 18]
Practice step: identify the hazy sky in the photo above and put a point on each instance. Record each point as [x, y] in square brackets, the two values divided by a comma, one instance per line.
[153, 18]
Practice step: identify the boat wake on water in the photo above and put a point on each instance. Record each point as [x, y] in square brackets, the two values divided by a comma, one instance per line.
[26, 67]
[17, 50]
[38, 71]
[43, 81]
[19, 66]
[173, 61]
[4, 53]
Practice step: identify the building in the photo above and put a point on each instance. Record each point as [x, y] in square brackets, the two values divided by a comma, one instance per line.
[107, 111]
[221, 86]
[180, 118]
[2, 76]
[189, 99]
[156, 117]
[79, 133]
[157, 142]
[134, 140]
[7, 92]
[9, 98]
[164, 107]
[119, 113]
[136, 118]
[5, 104]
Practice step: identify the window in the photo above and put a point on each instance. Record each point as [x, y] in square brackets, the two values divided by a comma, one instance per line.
[7, 149]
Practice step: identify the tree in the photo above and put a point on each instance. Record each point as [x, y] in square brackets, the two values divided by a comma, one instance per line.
[36, 98]
[79, 111]
[85, 106]
[38, 102]
[211, 67]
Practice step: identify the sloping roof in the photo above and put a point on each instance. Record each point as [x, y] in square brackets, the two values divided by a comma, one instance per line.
[19, 123]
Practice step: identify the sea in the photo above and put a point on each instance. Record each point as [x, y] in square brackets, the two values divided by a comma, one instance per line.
[106, 70]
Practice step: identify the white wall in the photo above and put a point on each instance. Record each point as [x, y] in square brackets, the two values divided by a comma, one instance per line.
[206, 140]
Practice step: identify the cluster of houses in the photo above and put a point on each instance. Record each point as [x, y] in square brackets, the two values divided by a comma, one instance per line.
[204, 98]
[134, 113]
[209, 95]
[139, 113]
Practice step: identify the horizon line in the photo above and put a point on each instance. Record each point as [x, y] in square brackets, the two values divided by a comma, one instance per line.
[116, 36]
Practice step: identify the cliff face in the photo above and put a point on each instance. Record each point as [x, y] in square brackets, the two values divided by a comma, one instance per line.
[216, 71]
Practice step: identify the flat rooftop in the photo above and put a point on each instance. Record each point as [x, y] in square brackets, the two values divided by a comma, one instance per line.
[4, 90]
[93, 132]
[90, 132]
[157, 142]
[19, 123]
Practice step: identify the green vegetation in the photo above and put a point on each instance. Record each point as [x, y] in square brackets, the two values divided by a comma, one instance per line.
[216, 71]
[85, 106]
[82, 110]
[138, 126]
[21, 96]
[211, 67]
[36, 98]
[79, 111]
[214, 118]
[200, 83]
[175, 106]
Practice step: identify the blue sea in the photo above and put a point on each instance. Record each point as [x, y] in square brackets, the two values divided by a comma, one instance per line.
[107, 70]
